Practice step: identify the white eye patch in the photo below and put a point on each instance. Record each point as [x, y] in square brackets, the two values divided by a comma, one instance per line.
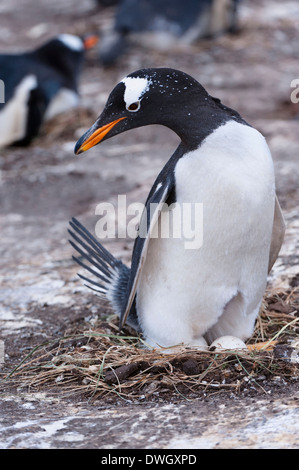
[135, 87]
[72, 42]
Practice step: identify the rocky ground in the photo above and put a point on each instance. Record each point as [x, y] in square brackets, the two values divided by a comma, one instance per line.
[44, 185]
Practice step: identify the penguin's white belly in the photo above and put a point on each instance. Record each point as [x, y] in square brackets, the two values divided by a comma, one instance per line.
[214, 290]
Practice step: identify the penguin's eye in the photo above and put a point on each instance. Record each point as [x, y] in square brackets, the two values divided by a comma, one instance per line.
[134, 106]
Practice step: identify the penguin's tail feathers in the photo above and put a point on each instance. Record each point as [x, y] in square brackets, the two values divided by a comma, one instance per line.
[109, 276]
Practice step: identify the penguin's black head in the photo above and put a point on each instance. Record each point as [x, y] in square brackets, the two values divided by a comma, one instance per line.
[65, 53]
[150, 96]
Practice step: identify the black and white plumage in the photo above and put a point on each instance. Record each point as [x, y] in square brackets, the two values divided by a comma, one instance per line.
[39, 84]
[167, 20]
[170, 293]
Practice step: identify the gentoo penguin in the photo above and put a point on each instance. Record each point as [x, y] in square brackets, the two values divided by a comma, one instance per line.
[39, 85]
[173, 293]
[161, 23]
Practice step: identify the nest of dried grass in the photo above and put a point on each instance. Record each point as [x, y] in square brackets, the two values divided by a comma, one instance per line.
[101, 361]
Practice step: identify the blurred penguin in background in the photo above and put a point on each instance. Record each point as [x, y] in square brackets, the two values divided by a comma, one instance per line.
[187, 20]
[39, 85]
[107, 3]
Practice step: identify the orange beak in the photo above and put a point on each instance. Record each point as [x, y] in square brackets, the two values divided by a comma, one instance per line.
[96, 136]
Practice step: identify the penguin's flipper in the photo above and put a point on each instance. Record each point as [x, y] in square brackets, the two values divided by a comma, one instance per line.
[278, 232]
[160, 193]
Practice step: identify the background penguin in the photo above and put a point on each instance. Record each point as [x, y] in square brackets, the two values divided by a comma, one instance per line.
[39, 85]
[171, 293]
[188, 20]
